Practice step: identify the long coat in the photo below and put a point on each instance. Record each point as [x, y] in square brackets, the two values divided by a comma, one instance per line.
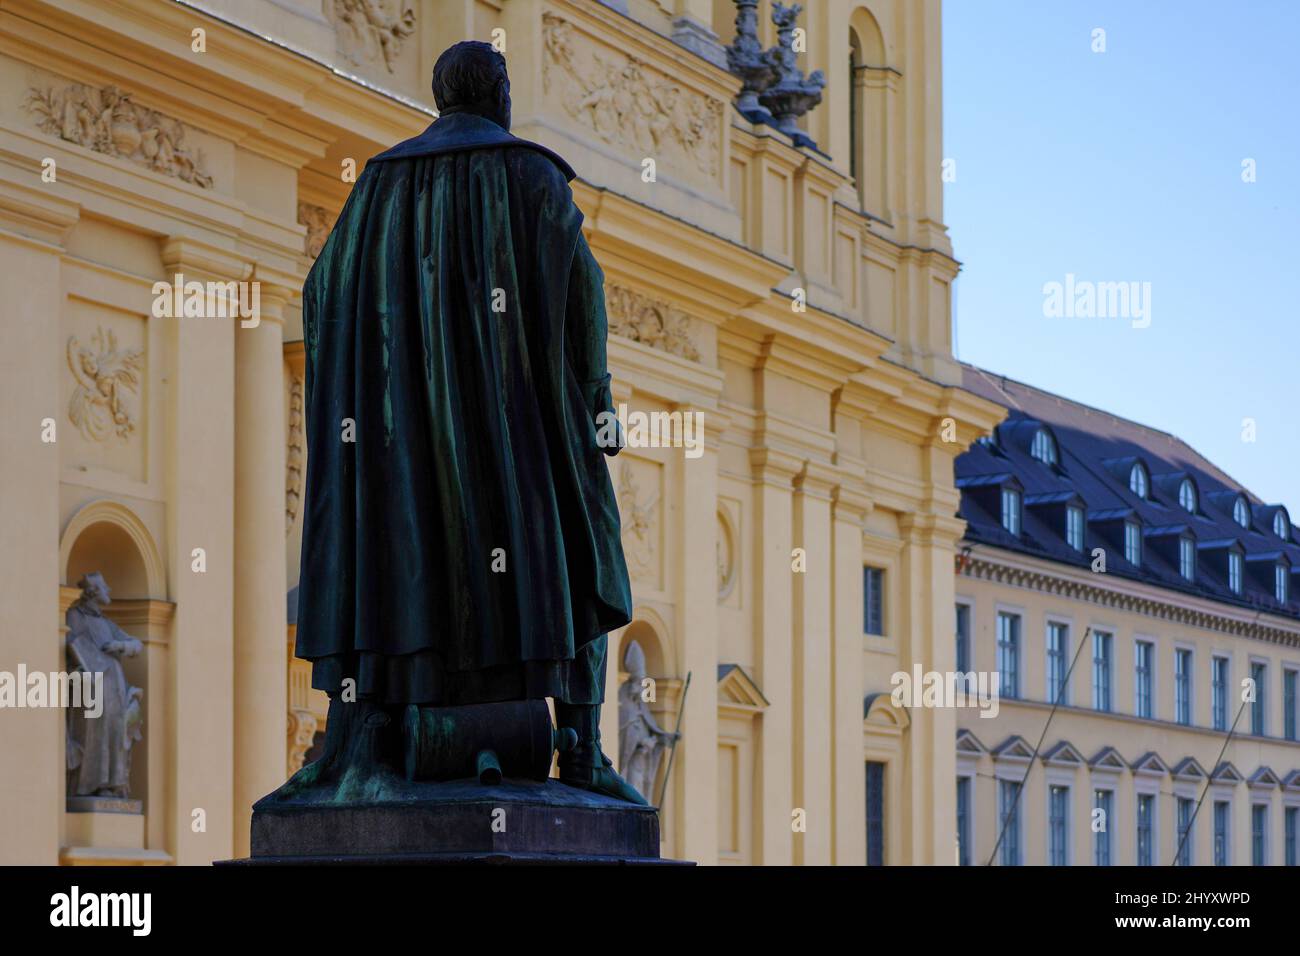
[461, 538]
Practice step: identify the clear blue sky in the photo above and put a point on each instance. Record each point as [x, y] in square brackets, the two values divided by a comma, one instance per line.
[1126, 166]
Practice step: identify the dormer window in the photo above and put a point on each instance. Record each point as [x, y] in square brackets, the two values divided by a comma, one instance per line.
[1281, 526]
[1187, 559]
[1241, 512]
[1138, 481]
[1234, 572]
[1187, 495]
[1133, 543]
[1074, 527]
[1011, 510]
[1044, 447]
[1281, 574]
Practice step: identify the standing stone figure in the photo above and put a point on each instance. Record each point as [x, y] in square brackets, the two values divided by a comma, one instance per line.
[641, 741]
[99, 748]
[461, 539]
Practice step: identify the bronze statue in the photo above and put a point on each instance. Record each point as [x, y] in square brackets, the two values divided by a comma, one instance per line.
[461, 543]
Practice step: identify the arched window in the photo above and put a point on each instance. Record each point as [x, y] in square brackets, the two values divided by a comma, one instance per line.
[1241, 512]
[1137, 480]
[1187, 495]
[1281, 526]
[1044, 447]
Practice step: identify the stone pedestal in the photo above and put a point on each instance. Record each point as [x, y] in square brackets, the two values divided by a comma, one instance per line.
[456, 822]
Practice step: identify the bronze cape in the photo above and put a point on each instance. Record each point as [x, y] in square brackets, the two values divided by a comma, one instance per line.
[461, 538]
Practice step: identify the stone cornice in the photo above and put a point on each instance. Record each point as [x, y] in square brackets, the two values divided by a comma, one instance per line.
[1003, 567]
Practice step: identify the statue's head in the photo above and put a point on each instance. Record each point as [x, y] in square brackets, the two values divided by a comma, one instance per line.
[634, 660]
[470, 77]
[94, 589]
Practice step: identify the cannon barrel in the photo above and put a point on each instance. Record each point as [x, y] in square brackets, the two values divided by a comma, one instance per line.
[487, 741]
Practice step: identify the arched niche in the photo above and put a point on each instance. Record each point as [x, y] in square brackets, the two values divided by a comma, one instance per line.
[108, 537]
[650, 631]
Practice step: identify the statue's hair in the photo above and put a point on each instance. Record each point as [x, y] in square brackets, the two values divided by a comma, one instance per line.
[467, 75]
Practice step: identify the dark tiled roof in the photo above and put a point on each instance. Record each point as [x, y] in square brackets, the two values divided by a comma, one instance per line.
[1095, 452]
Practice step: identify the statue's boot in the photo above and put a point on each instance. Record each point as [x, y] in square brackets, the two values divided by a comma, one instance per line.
[358, 747]
[586, 766]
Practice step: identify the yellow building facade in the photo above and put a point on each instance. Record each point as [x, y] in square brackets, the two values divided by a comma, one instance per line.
[1156, 726]
[795, 302]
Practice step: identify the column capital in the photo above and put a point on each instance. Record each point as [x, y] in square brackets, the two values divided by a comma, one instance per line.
[774, 467]
[931, 530]
[184, 254]
[817, 479]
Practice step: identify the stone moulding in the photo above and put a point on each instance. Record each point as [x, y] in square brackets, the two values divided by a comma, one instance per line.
[107, 120]
[627, 103]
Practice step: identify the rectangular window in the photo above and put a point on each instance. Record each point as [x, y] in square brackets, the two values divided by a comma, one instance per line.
[1259, 674]
[1183, 686]
[875, 813]
[1103, 800]
[1058, 799]
[963, 821]
[1187, 558]
[1259, 835]
[1279, 583]
[873, 593]
[1292, 814]
[1132, 543]
[1011, 510]
[1009, 654]
[1101, 642]
[1074, 528]
[1146, 821]
[1289, 704]
[1009, 812]
[1185, 840]
[1143, 678]
[1219, 695]
[1221, 816]
[1234, 572]
[1058, 642]
[963, 638]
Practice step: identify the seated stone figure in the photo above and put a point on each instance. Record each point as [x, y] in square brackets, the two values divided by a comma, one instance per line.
[461, 539]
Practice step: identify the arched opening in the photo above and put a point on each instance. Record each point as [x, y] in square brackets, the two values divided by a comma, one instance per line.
[871, 88]
[110, 538]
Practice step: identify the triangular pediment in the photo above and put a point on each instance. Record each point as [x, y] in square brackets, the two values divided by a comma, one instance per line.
[1150, 765]
[1264, 779]
[1064, 754]
[1189, 769]
[1226, 773]
[1015, 749]
[968, 743]
[1292, 781]
[737, 688]
[1108, 760]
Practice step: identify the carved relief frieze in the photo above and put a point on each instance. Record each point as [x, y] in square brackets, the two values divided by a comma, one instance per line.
[294, 456]
[109, 121]
[649, 321]
[627, 103]
[373, 31]
[319, 222]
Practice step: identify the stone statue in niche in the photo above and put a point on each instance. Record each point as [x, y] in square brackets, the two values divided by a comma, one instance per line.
[99, 747]
[641, 741]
